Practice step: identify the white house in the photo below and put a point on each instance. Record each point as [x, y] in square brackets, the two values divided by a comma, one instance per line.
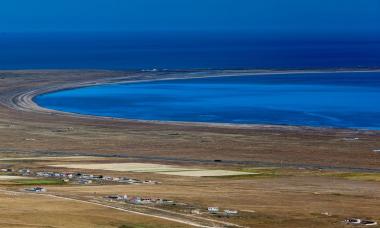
[85, 181]
[196, 211]
[213, 209]
[230, 212]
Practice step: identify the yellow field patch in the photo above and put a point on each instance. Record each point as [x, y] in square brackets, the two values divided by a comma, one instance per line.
[154, 168]
[12, 177]
[48, 158]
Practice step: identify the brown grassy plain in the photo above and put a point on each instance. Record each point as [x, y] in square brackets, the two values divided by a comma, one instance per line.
[296, 194]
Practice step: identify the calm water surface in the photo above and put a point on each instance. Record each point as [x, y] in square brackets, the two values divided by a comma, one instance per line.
[186, 50]
[348, 100]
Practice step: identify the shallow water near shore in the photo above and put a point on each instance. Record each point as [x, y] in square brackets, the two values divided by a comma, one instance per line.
[344, 100]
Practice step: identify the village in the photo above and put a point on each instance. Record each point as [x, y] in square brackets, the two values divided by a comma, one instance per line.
[137, 200]
[184, 208]
[77, 178]
[152, 201]
[119, 200]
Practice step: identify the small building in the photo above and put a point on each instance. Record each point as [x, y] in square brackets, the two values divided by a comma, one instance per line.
[69, 175]
[96, 176]
[115, 197]
[213, 210]
[195, 212]
[85, 181]
[164, 201]
[86, 176]
[36, 189]
[168, 202]
[118, 197]
[135, 200]
[145, 200]
[353, 221]
[41, 174]
[7, 170]
[135, 181]
[150, 182]
[107, 178]
[24, 172]
[130, 181]
[230, 212]
[369, 223]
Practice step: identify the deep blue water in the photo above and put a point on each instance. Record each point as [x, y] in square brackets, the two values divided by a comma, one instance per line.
[183, 50]
[348, 100]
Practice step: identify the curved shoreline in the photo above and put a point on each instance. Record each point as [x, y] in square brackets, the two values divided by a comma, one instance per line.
[25, 101]
[28, 129]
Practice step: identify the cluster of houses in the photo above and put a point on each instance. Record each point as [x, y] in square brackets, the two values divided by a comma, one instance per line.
[80, 178]
[159, 201]
[140, 200]
[364, 222]
[217, 211]
[83, 178]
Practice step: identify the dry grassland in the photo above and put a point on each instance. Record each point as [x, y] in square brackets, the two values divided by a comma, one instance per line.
[24, 210]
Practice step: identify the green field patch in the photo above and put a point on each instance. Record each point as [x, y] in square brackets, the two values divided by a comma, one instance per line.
[356, 176]
[39, 182]
[252, 173]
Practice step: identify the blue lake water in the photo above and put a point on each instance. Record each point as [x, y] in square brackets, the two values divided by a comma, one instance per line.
[347, 100]
[184, 50]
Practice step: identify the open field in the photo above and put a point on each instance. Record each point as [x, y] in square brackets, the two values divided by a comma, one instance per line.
[306, 177]
[154, 168]
[275, 197]
[50, 158]
[4, 177]
[25, 210]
